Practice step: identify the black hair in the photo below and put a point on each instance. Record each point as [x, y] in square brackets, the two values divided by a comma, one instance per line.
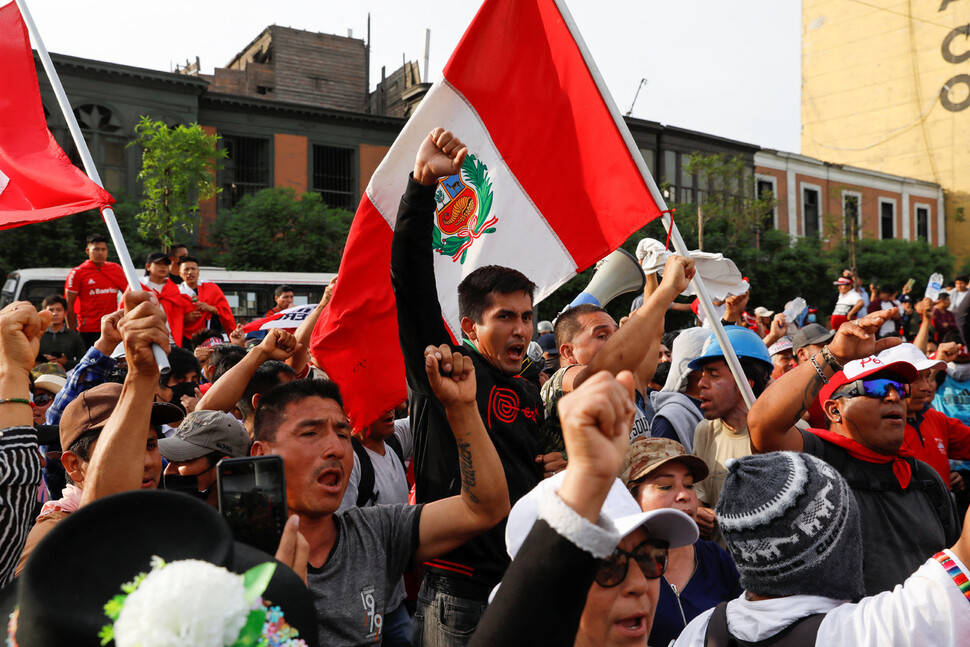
[567, 324]
[962, 277]
[668, 338]
[265, 379]
[223, 358]
[52, 299]
[189, 259]
[886, 289]
[204, 335]
[283, 288]
[953, 335]
[81, 447]
[269, 415]
[96, 238]
[475, 290]
[175, 246]
[183, 362]
[758, 372]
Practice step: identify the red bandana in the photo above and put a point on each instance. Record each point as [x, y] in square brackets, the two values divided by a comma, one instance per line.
[902, 469]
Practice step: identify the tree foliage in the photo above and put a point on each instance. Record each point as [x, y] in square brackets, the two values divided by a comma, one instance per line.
[277, 230]
[179, 168]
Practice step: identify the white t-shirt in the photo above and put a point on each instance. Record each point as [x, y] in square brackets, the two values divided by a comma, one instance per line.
[891, 325]
[845, 303]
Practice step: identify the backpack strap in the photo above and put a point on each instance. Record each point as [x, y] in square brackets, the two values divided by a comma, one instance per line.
[365, 489]
[717, 631]
[395, 443]
[801, 633]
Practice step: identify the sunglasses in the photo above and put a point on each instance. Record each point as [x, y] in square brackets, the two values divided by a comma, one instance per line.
[651, 557]
[878, 388]
[42, 397]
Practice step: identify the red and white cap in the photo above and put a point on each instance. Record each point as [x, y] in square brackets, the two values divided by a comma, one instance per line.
[842, 281]
[912, 354]
[859, 368]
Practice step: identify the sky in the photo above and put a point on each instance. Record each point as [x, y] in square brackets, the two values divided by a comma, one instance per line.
[730, 69]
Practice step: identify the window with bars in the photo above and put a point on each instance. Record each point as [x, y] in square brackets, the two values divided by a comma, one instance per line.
[810, 212]
[887, 219]
[335, 176]
[246, 168]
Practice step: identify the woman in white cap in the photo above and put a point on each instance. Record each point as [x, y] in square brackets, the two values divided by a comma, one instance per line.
[586, 560]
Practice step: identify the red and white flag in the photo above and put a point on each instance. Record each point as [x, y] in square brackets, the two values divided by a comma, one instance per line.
[287, 319]
[37, 180]
[549, 187]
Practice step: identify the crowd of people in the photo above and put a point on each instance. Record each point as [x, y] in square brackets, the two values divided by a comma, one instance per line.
[623, 490]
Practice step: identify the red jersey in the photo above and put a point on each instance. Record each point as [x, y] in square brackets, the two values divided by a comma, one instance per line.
[210, 293]
[174, 303]
[938, 439]
[97, 289]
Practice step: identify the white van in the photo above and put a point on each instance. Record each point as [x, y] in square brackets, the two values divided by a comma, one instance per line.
[250, 294]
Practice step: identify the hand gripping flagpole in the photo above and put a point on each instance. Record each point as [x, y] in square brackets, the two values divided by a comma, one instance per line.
[679, 246]
[82, 147]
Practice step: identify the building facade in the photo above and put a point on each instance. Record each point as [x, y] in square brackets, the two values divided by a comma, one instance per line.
[886, 86]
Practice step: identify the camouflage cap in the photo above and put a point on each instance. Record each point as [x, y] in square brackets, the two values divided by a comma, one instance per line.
[647, 454]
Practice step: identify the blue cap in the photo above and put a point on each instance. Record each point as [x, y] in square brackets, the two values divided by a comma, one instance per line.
[746, 343]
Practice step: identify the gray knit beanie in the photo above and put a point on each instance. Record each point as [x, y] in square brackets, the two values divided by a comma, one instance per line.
[792, 525]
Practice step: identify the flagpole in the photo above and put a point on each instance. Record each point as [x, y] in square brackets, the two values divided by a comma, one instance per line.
[107, 213]
[679, 246]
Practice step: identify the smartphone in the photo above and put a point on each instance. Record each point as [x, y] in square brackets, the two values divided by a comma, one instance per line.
[252, 498]
[909, 285]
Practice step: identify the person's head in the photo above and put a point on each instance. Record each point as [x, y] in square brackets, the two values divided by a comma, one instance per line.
[57, 306]
[84, 419]
[304, 422]
[866, 402]
[157, 267]
[222, 359]
[661, 474]
[379, 430]
[185, 368]
[188, 269]
[688, 346]
[942, 301]
[177, 252]
[961, 283]
[207, 337]
[582, 331]
[782, 357]
[266, 378]
[201, 441]
[719, 393]
[544, 327]
[809, 340]
[886, 292]
[48, 379]
[284, 297]
[97, 249]
[792, 525]
[622, 600]
[495, 306]
[764, 315]
[843, 285]
[907, 303]
[923, 388]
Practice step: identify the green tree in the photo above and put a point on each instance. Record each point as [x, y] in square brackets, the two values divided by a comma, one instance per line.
[277, 230]
[179, 167]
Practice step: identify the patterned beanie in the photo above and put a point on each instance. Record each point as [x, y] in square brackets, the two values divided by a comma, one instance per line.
[792, 525]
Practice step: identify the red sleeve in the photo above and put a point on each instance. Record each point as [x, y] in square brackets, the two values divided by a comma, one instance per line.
[225, 312]
[117, 275]
[70, 285]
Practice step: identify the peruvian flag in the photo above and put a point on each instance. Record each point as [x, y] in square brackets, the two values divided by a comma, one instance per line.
[37, 180]
[549, 187]
[287, 319]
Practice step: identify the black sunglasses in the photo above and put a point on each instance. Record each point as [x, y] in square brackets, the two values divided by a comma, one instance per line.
[651, 557]
[43, 397]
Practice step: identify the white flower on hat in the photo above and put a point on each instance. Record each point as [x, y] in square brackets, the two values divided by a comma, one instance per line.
[188, 602]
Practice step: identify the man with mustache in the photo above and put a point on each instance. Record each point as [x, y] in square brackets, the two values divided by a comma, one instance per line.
[356, 557]
[904, 506]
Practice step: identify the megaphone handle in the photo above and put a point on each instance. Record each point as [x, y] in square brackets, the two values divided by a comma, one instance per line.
[161, 359]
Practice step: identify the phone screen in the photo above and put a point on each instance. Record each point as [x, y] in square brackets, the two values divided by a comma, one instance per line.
[252, 498]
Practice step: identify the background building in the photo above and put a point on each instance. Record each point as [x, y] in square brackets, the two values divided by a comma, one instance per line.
[886, 86]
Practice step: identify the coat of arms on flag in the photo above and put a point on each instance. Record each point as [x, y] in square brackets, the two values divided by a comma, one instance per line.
[461, 216]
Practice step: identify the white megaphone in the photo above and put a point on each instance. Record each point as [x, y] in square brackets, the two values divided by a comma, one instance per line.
[617, 274]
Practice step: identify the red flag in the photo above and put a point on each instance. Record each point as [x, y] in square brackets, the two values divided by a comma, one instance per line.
[549, 187]
[37, 180]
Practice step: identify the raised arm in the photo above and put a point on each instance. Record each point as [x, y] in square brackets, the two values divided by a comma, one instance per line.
[448, 523]
[298, 360]
[412, 257]
[117, 462]
[924, 308]
[779, 326]
[634, 347]
[772, 418]
[224, 394]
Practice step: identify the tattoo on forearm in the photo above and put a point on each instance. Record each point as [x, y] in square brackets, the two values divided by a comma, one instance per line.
[467, 469]
[811, 392]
